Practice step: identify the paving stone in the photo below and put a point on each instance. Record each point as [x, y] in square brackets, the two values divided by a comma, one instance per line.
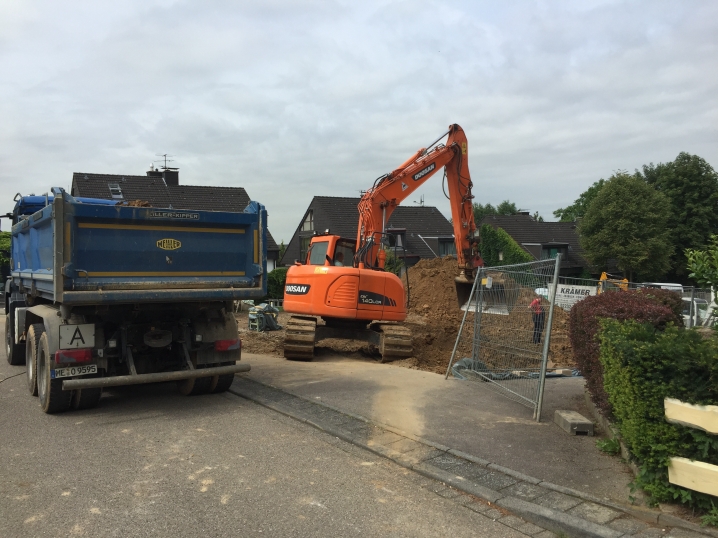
[448, 493]
[512, 521]
[495, 481]
[677, 532]
[448, 462]
[557, 501]
[524, 491]
[530, 529]
[493, 513]
[594, 512]
[628, 525]
[404, 445]
[384, 438]
[478, 506]
[545, 534]
[650, 532]
[424, 453]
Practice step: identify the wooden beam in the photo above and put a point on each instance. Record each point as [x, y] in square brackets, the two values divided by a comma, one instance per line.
[703, 417]
[694, 475]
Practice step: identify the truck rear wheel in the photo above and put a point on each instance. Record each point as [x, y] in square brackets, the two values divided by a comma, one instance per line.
[33, 337]
[86, 398]
[52, 398]
[221, 383]
[15, 352]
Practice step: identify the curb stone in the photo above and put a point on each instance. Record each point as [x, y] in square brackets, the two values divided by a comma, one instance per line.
[462, 471]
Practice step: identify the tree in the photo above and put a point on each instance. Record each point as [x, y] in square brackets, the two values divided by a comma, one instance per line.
[627, 222]
[504, 208]
[691, 185]
[5, 248]
[580, 205]
[282, 249]
[497, 247]
[703, 265]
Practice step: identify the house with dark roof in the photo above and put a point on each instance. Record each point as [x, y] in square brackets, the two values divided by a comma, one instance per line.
[418, 232]
[544, 240]
[161, 188]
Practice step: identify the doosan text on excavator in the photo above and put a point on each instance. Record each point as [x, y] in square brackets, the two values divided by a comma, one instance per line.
[342, 290]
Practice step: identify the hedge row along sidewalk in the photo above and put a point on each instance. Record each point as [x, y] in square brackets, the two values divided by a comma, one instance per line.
[542, 504]
[641, 367]
[654, 306]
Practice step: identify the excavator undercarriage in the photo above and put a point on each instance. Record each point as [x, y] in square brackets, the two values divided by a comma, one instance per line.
[302, 332]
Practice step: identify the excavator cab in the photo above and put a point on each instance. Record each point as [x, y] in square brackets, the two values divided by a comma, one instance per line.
[331, 250]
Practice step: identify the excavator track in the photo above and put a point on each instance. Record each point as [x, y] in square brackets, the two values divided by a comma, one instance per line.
[299, 339]
[395, 341]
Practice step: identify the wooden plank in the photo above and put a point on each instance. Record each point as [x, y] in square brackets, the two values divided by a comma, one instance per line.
[694, 475]
[702, 417]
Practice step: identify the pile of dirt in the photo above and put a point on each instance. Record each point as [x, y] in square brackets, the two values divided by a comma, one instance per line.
[134, 203]
[434, 318]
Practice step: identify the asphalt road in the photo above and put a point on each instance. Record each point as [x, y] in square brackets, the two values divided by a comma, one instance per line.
[149, 462]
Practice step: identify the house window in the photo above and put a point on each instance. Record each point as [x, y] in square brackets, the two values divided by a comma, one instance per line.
[447, 247]
[115, 191]
[304, 248]
[308, 224]
[396, 237]
[551, 251]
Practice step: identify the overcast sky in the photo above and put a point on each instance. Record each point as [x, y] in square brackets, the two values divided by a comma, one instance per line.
[296, 98]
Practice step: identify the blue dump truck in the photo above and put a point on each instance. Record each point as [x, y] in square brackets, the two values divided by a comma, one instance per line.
[101, 295]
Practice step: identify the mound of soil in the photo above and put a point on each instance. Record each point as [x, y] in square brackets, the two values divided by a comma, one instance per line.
[434, 318]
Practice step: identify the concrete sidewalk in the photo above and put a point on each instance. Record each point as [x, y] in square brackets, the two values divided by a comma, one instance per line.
[468, 437]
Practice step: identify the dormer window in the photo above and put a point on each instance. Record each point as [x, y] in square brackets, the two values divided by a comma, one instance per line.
[115, 191]
[308, 224]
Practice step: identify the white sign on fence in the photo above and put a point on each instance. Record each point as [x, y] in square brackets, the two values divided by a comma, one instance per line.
[568, 295]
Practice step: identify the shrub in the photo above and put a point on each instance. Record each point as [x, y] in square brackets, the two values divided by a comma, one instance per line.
[275, 283]
[495, 241]
[671, 299]
[642, 366]
[584, 326]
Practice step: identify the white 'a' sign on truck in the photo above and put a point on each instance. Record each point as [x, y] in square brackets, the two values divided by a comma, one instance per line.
[568, 295]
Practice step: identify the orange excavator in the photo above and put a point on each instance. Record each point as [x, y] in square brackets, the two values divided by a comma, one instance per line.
[343, 281]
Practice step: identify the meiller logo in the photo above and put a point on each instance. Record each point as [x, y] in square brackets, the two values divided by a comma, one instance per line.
[296, 289]
[425, 171]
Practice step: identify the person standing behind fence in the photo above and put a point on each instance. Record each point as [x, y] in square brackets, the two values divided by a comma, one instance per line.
[538, 314]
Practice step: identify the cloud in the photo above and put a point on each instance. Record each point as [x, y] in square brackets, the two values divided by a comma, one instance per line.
[296, 99]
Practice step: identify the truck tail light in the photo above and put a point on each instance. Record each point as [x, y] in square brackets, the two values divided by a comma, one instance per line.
[227, 345]
[63, 356]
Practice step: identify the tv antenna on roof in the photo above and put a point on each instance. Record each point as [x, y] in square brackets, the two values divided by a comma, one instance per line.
[421, 201]
[166, 159]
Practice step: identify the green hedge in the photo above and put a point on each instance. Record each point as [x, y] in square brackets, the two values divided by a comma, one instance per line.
[495, 241]
[275, 283]
[584, 326]
[642, 366]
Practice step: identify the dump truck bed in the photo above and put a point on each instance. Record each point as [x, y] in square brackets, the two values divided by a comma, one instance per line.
[75, 252]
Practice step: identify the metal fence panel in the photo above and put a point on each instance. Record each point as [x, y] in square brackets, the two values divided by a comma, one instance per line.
[504, 337]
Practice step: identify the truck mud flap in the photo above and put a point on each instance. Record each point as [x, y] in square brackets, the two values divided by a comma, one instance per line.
[116, 381]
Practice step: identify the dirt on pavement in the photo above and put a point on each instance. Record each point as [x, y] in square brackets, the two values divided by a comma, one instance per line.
[434, 318]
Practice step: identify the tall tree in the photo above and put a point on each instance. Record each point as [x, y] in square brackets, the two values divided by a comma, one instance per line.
[691, 185]
[627, 222]
[504, 208]
[580, 205]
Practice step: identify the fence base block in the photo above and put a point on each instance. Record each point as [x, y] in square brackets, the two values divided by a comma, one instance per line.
[573, 423]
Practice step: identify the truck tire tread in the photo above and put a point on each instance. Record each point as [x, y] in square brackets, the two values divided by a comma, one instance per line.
[33, 339]
[52, 398]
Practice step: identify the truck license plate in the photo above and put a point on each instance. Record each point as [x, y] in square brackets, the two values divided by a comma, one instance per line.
[74, 370]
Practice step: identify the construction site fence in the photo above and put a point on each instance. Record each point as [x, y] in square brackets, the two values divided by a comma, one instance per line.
[505, 334]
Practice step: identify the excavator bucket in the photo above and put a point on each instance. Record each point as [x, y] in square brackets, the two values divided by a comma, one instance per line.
[463, 290]
[492, 293]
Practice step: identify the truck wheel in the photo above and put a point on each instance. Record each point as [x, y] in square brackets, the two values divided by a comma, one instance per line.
[52, 398]
[15, 352]
[221, 383]
[86, 398]
[194, 387]
[33, 337]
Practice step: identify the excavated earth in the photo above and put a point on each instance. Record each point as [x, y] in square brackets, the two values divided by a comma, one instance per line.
[434, 318]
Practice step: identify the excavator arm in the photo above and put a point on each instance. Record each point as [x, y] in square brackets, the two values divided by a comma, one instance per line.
[379, 202]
